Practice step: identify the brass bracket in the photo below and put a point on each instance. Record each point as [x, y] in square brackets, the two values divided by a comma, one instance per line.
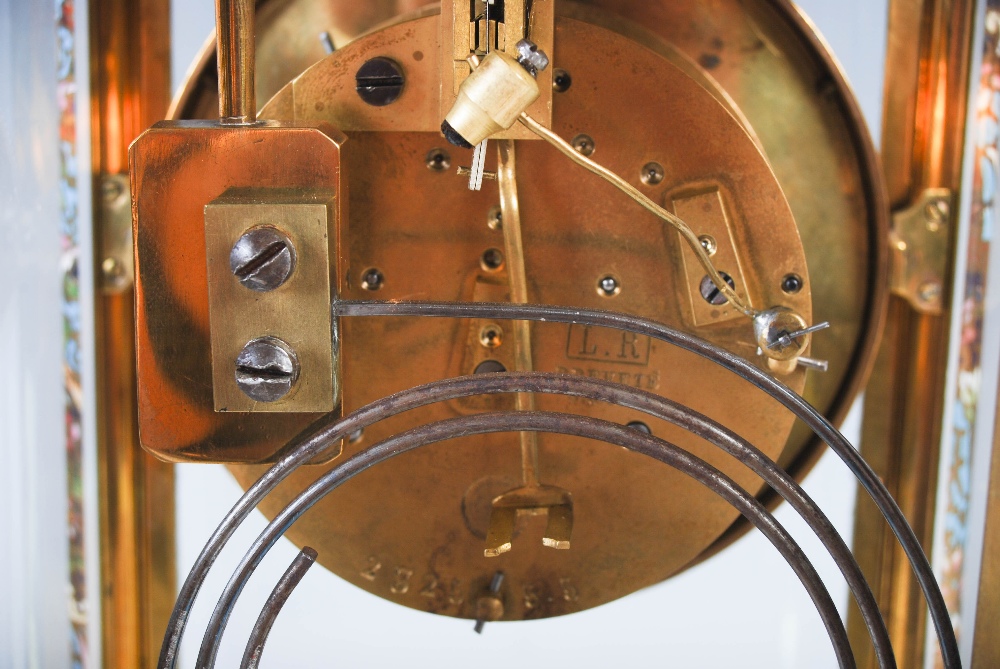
[464, 31]
[117, 262]
[296, 313]
[919, 243]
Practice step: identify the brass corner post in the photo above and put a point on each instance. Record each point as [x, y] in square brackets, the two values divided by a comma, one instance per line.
[234, 21]
[923, 131]
[130, 90]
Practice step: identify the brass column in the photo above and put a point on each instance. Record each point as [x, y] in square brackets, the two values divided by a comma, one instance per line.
[130, 89]
[923, 132]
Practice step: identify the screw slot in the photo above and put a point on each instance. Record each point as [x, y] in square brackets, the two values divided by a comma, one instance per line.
[490, 367]
[372, 279]
[608, 286]
[652, 173]
[561, 80]
[438, 160]
[711, 292]
[266, 369]
[792, 283]
[491, 260]
[263, 258]
[584, 144]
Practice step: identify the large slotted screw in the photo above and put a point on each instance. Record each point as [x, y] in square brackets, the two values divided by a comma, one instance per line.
[266, 369]
[262, 259]
[380, 81]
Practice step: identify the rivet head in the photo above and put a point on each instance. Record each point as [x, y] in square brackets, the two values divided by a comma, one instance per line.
[266, 369]
[792, 283]
[561, 80]
[652, 174]
[491, 335]
[709, 244]
[438, 160]
[372, 279]
[492, 260]
[608, 286]
[584, 144]
[262, 259]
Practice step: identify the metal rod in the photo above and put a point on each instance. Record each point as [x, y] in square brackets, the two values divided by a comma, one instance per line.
[744, 369]
[234, 25]
[513, 248]
[272, 607]
[512, 421]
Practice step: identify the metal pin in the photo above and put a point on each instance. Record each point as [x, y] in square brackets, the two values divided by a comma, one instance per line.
[813, 363]
[495, 586]
[786, 337]
[326, 39]
[478, 164]
[467, 171]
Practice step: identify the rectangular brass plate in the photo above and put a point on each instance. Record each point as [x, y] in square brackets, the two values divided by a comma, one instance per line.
[296, 312]
[177, 169]
[705, 211]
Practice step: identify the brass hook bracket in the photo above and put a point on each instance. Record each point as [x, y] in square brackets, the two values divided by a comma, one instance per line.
[919, 242]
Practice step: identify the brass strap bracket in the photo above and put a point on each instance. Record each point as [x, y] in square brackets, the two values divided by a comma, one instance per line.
[919, 243]
[117, 262]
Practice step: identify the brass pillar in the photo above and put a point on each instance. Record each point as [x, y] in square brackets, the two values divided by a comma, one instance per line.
[923, 132]
[130, 89]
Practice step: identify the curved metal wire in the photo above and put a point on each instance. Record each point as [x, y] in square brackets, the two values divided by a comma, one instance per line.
[880, 495]
[535, 421]
[328, 430]
[272, 607]
[311, 447]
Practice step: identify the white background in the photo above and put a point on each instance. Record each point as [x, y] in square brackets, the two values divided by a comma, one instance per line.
[743, 608]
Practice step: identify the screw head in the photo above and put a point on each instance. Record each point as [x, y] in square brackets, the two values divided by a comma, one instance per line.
[490, 367]
[929, 291]
[380, 81]
[372, 279]
[608, 286]
[561, 80]
[584, 144]
[936, 214]
[266, 369]
[262, 259]
[438, 160]
[711, 292]
[652, 173]
[792, 283]
[531, 57]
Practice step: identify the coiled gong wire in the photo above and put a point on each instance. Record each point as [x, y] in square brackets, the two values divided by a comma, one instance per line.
[328, 432]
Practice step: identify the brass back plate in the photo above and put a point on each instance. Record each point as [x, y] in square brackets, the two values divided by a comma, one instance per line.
[412, 529]
[763, 56]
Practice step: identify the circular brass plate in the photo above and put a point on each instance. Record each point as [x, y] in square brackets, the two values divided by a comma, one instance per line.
[764, 59]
